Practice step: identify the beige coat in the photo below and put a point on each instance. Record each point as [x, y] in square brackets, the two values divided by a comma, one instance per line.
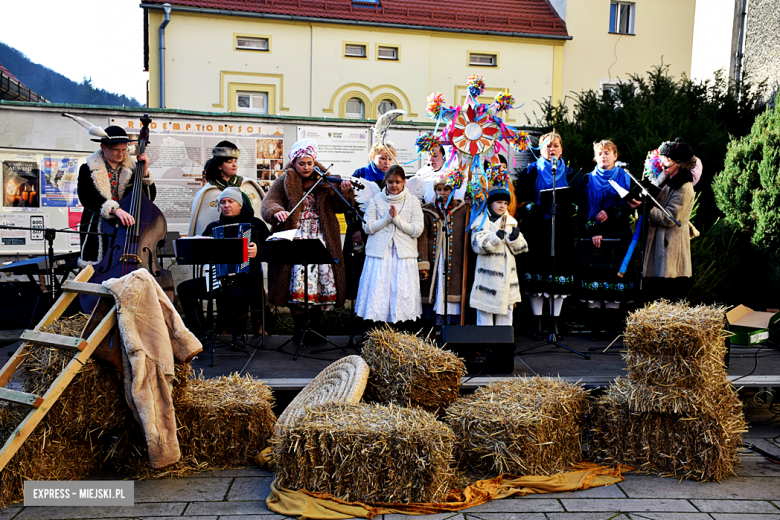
[668, 251]
[152, 335]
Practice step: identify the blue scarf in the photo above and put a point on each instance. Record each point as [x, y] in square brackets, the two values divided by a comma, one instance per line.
[544, 179]
[601, 195]
[370, 173]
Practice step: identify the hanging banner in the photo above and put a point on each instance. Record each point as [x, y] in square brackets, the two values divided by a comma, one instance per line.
[59, 182]
[346, 148]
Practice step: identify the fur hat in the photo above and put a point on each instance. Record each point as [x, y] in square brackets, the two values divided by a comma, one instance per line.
[232, 193]
[114, 135]
[225, 149]
[676, 150]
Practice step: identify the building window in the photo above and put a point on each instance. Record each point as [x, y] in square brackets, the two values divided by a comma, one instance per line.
[250, 43]
[387, 53]
[621, 17]
[354, 50]
[483, 60]
[254, 102]
[355, 109]
[385, 106]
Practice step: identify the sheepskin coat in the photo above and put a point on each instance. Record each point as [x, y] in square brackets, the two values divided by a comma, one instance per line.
[431, 243]
[153, 334]
[401, 231]
[668, 252]
[286, 192]
[94, 191]
[496, 286]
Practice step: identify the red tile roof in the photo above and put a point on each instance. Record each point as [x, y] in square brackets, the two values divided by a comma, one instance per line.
[8, 73]
[534, 18]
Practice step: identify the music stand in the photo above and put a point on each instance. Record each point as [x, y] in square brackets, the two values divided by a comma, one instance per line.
[549, 199]
[199, 251]
[305, 252]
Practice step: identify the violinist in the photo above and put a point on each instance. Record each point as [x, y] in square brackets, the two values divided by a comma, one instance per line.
[104, 179]
[315, 217]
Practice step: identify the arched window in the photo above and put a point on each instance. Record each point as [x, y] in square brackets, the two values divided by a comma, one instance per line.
[385, 106]
[355, 109]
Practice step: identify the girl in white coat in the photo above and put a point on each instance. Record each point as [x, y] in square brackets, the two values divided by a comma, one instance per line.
[390, 285]
[496, 287]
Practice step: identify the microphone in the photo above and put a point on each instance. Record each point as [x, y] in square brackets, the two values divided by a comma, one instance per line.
[439, 199]
[554, 162]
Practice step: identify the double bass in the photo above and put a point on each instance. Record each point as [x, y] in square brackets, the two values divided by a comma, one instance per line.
[133, 247]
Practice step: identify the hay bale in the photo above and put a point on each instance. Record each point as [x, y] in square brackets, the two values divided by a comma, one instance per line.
[408, 370]
[222, 422]
[523, 426]
[367, 453]
[699, 445]
[94, 399]
[342, 382]
[48, 454]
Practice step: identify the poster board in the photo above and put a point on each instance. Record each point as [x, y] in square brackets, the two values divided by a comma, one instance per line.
[345, 147]
[39, 191]
[179, 148]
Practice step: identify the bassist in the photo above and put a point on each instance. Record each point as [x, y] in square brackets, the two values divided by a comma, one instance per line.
[105, 179]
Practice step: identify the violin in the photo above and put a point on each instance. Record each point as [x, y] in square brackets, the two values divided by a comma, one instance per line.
[309, 182]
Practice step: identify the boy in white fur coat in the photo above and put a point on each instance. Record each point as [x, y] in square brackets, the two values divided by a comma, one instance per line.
[496, 287]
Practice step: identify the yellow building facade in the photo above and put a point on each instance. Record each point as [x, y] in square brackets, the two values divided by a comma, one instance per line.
[336, 70]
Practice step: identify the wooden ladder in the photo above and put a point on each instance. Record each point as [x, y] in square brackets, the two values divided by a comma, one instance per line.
[83, 348]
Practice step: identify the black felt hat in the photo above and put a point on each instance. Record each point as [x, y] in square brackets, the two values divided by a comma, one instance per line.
[676, 150]
[114, 135]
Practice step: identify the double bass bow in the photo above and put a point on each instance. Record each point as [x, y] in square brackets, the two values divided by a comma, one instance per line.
[133, 247]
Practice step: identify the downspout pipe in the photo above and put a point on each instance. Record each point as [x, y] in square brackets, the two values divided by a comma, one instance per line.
[740, 49]
[167, 10]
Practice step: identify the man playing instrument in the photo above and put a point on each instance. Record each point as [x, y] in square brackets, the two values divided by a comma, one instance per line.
[104, 180]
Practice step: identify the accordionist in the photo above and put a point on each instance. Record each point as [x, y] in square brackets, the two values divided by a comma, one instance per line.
[237, 287]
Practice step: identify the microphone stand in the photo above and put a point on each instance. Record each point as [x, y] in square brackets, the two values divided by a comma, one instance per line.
[49, 234]
[352, 212]
[552, 339]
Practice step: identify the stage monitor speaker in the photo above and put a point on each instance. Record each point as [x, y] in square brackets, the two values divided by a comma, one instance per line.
[486, 350]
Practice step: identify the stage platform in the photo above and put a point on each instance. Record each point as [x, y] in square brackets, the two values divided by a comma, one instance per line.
[750, 367]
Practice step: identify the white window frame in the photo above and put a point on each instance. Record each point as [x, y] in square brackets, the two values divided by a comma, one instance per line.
[378, 112]
[364, 48]
[240, 47]
[493, 59]
[381, 48]
[252, 109]
[619, 8]
[353, 115]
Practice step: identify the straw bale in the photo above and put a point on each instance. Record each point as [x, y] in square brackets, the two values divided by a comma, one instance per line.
[408, 370]
[48, 454]
[700, 372]
[367, 453]
[523, 426]
[95, 397]
[222, 422]
[342, 382]
[699, 445]
[669, 329]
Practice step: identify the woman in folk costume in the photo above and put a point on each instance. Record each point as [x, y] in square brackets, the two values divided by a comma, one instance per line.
[389, 288]
[314, 218]
[496, 238]
[220, 172]
[536, 226]
[668, 269]
[105, 178]
[604, 215]
[436, 270]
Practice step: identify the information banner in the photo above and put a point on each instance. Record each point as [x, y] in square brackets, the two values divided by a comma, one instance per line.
[23, 237]
[405, 150]
[59, 182]
[346, 147]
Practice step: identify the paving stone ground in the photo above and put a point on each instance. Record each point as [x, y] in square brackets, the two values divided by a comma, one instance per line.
[239, 494]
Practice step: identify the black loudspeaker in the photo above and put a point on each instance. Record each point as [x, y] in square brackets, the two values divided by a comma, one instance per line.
[486, 350]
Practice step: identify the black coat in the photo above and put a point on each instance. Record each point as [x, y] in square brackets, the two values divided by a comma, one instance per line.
[94, 191]
[259, 231]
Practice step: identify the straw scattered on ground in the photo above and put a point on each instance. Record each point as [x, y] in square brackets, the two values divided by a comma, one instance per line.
[523, 426]
[408, 370]
[367, 453]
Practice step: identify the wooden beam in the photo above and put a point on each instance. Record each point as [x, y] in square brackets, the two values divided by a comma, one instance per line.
[91, 289]
[13, 396]
[27, 426]
[54, 340]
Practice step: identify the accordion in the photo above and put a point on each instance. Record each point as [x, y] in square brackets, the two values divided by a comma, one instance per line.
[218, 274]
